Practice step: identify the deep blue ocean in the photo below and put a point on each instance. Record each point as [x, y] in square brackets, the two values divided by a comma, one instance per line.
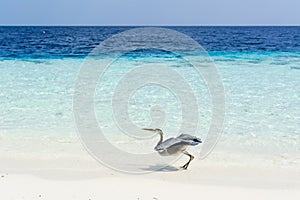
[259, 67]
[47, 42]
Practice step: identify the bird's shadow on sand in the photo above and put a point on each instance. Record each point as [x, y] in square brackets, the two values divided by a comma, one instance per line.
[161, 168]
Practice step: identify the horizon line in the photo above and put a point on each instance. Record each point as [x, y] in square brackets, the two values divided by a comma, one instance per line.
[167, 25]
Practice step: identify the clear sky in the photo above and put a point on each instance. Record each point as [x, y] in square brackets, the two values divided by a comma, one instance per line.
[150, 12]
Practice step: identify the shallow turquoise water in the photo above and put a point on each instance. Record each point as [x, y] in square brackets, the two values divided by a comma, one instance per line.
[262, 100]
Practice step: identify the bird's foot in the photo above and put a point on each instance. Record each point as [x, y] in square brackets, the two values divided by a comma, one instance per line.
[184, 167]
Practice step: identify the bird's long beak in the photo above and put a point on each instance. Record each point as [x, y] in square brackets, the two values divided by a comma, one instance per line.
[149, 129]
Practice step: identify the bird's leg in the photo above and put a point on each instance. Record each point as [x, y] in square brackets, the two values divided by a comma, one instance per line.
[191, 158]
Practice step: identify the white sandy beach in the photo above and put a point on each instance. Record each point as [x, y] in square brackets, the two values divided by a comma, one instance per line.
[161, 185]
[53, 173]
[28, 187]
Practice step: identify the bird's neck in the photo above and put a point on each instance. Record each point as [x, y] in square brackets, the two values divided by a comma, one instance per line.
[160, 139]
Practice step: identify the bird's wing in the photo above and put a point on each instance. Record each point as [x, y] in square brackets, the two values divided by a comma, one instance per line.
[172, 144]
[192, 140]
[186, 137]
